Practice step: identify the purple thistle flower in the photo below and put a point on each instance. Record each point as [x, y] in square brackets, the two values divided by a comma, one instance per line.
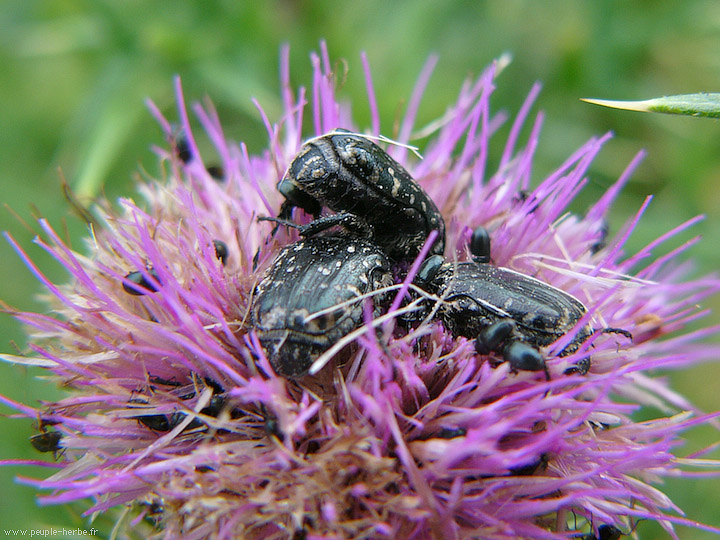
[176, 414]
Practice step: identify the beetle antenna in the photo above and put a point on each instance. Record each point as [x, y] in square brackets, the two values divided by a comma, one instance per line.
[279, 221]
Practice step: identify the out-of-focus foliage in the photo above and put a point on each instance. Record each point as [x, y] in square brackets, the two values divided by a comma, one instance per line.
[76, 73]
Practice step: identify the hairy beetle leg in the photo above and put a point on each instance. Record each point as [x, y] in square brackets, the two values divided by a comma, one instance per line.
[617, 331]
[279, 221]
[581, 367]
[347, 221]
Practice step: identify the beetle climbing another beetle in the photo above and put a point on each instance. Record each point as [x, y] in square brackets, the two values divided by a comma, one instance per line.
[350, 174]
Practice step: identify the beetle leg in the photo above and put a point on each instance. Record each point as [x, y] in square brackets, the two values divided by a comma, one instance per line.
[279, 221]
[348, 221]
[480, 245]
[492, 337]
[617, 331]
[524, 357]
[581, 367]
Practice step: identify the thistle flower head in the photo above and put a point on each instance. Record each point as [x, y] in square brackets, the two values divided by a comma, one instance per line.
[406, 431]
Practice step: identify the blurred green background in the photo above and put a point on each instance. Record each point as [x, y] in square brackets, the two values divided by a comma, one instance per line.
[77, 73]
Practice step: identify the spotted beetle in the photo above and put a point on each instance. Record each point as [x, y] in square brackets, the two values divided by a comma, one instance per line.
[308, 277]
[350, 174]
[506, 311]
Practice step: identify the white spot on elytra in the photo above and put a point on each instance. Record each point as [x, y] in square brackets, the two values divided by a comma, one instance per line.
[396, 186]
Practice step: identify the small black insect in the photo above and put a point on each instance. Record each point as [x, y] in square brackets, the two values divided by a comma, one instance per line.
[164, 382]
[185, 155]
[221, 251]
[182, 150]
[348, 173]
[158, 422]
[216, 171]
[601, 242]
[451, 432]
[137, 284]
[531, 468]
[605, 532]
[314, 275]
[272, 426]
[153, 511]
[47, 441]
[165, 423]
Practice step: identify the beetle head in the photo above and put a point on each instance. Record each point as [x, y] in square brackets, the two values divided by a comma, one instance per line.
[296, 196]
[289, 357]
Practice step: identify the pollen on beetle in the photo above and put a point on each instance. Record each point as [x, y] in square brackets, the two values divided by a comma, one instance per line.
[316, 387]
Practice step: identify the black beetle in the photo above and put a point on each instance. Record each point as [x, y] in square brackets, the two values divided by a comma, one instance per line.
[182, 150]
[47, 441]
[531, 468]
[348, 173]
[308, 277]
[185, 155]
[164, 423]
[160, 422]
[137, 284]
[221, 251]
[502, 307]
[605, 532]
[505, 310]
[601, 241]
